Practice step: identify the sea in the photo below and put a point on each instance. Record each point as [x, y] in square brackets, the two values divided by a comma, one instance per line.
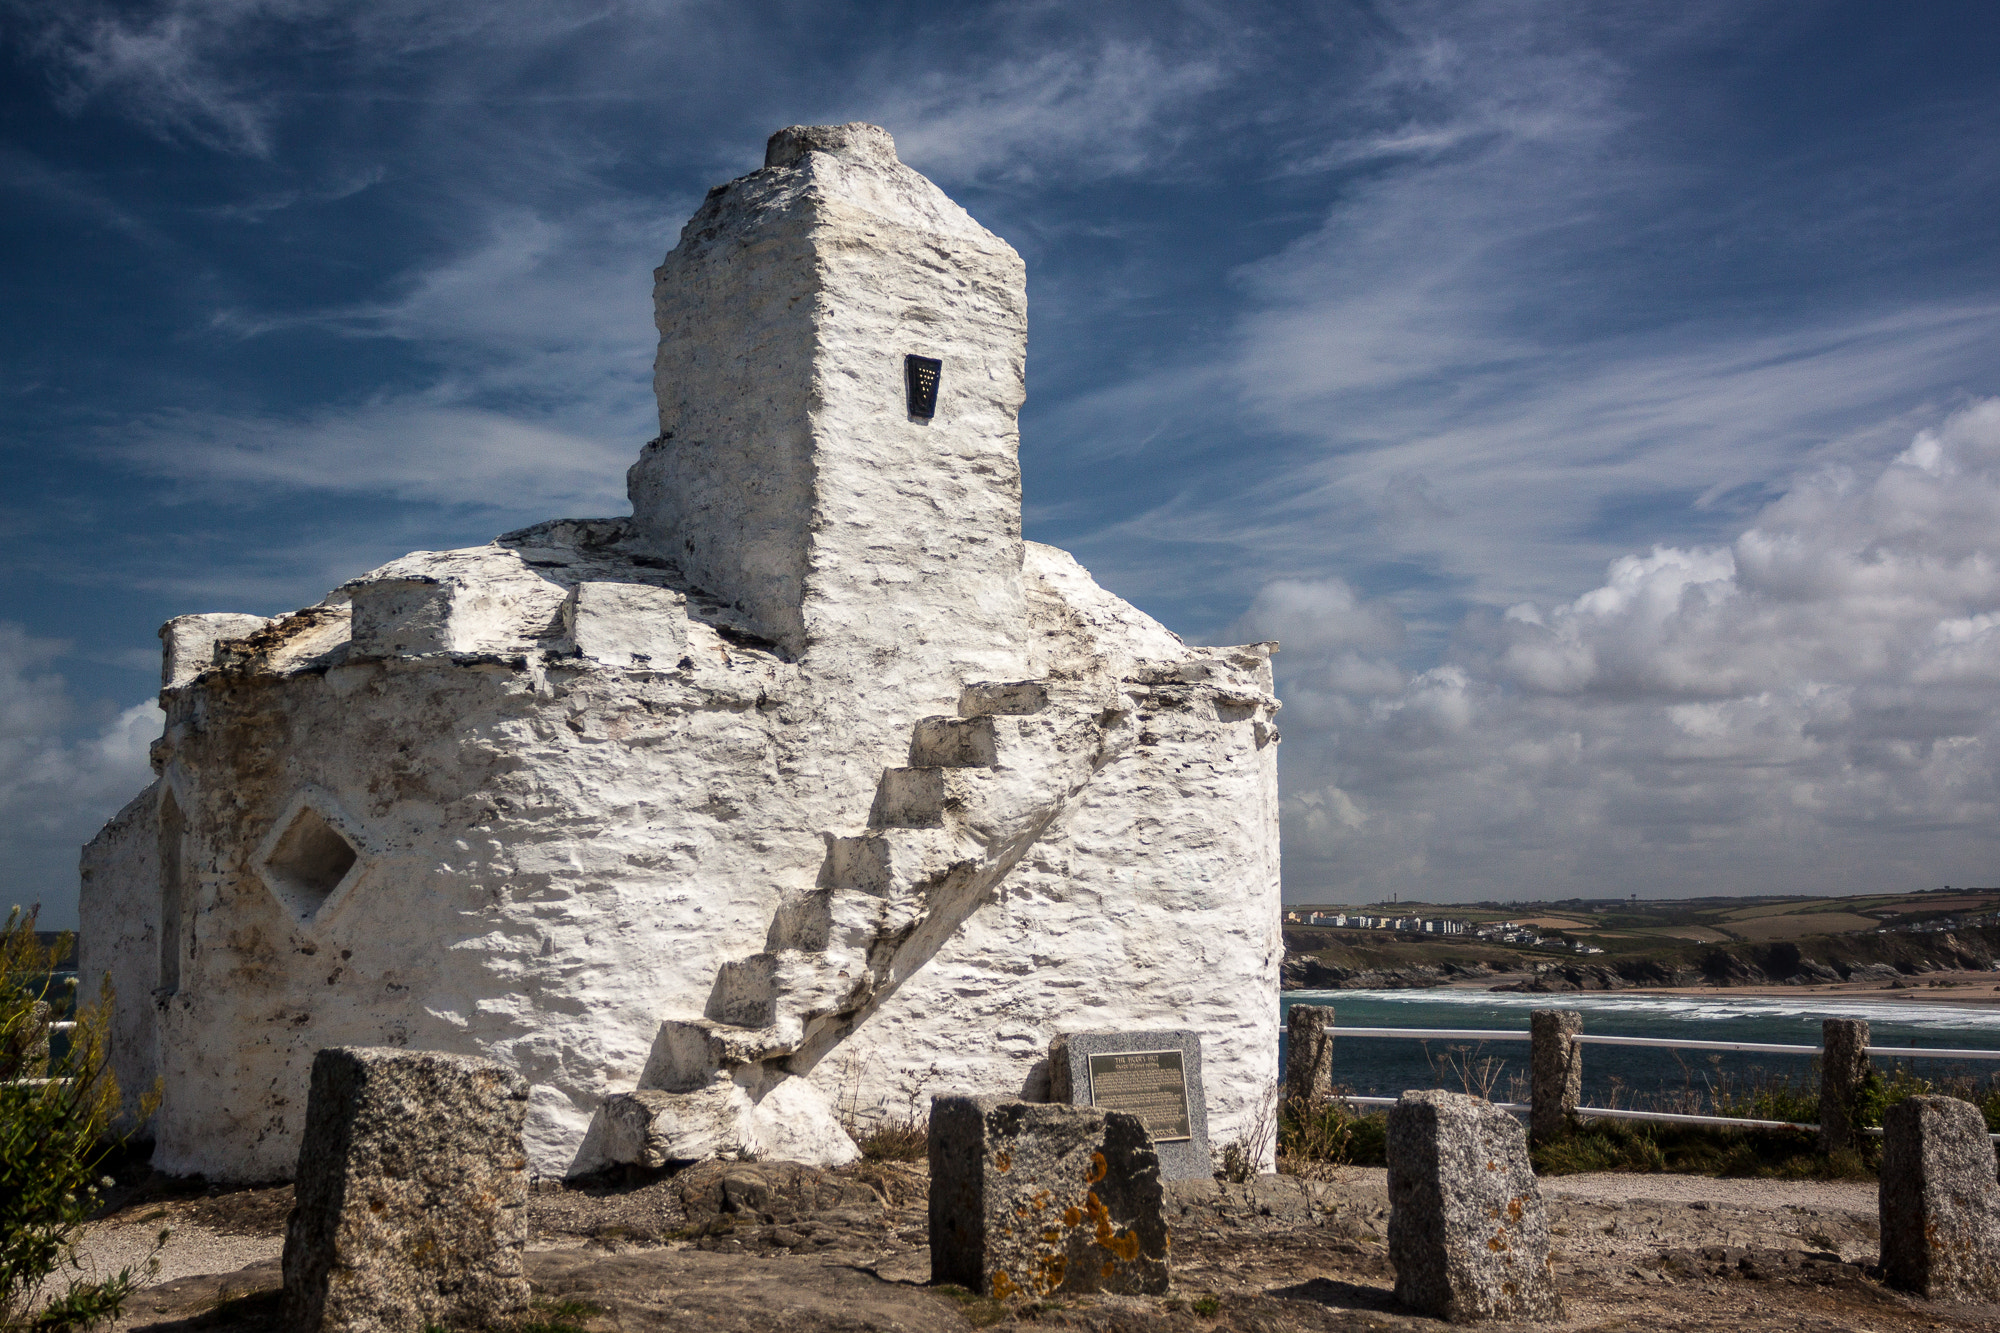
[1613, 1075]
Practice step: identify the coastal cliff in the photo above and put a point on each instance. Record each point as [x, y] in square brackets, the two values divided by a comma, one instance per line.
[1410, 962]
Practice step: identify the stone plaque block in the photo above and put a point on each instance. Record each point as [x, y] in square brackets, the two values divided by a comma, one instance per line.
[1084, 1071]
[1467, 1231]
[1033, 1200]
[411, 1199]
[1939, 1203]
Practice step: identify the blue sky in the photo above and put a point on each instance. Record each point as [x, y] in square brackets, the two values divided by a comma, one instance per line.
[1597, 400]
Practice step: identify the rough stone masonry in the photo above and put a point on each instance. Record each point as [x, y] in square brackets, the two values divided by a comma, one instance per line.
[760, 802]
[1467, 1231]
[411, 1204]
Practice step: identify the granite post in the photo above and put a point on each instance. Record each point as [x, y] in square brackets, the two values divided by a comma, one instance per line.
[1031, 1200]
[411, 1197]
[1843, 1068]
[1555, 1062]
[1467, 1231]
[1308, 1053]
[1939, 1203]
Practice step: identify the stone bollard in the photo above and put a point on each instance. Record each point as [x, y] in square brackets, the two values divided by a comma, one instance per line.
[1843, 1067]
[1031, 1200]
[411, 1198]
[1939, 1202]
[1309, 1053]
[1467, 1232]
[1555, 1064]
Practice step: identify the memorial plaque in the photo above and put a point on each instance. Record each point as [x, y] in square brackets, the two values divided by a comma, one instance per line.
[1149, 1084]
[1152, 1074]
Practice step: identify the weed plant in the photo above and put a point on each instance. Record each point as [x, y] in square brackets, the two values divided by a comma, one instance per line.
[1327, 1132]
[896, 1138]
[56, 1113]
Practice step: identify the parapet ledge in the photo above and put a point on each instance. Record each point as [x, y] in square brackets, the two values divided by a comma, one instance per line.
[857, 141]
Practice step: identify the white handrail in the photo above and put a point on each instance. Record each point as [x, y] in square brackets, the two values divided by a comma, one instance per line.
[1766, 1047]
[1453, 1034]
[1664, 1117]
[1672, 1043]
[1681, 1118]
[1935, 1052]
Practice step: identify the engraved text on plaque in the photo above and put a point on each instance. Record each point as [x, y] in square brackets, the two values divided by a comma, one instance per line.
[1149, 1084]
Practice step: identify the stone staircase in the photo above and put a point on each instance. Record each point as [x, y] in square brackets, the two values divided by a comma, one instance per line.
[979, 790]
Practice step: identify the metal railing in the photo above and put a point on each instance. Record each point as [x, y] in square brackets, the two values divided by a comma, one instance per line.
[53, 1028]
[1674, 1043]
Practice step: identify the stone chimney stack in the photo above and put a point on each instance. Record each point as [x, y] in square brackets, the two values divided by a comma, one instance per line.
[841, 361]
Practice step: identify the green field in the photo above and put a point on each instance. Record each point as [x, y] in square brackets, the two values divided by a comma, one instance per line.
[1627, 926]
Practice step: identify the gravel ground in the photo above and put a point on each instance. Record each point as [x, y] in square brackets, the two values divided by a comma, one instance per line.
[191, 1250]
[1852, 1196]
[752, 1247]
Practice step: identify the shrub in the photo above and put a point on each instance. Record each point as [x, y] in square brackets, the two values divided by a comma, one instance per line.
[56, 1113]
[1327, 1132]
[904, 1138]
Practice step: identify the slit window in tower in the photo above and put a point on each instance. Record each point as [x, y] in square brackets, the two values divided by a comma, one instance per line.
[920, 378]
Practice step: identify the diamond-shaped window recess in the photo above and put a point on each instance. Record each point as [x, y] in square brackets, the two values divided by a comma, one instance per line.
[310, 861]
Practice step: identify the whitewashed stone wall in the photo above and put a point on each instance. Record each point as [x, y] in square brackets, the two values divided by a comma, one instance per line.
[557, 799]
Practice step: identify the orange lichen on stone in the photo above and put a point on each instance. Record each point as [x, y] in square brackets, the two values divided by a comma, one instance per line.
[1514, 1210]
[1100, 1216]
[1072, 1216]
[999, 1286]
[1003, 1162]
[1098, 1168]
[1110, 1270]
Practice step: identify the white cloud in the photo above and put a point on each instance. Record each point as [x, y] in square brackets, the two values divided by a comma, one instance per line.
[541, 336]
[399, 448]
[1808, 709]
[58, 782]
[1102, 106]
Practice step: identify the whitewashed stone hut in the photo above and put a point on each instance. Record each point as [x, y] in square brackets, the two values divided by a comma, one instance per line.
[807, 790]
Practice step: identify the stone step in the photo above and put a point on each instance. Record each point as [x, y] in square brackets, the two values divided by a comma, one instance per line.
[956, 742]
[652, 1128]
[687, 1053]
[780, 988]
[803, 921]
[1014, 698]
[912, 798]
[745, 992]
[896, 864]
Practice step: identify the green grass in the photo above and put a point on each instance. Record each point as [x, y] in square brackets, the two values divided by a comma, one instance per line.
[1698, 1150]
